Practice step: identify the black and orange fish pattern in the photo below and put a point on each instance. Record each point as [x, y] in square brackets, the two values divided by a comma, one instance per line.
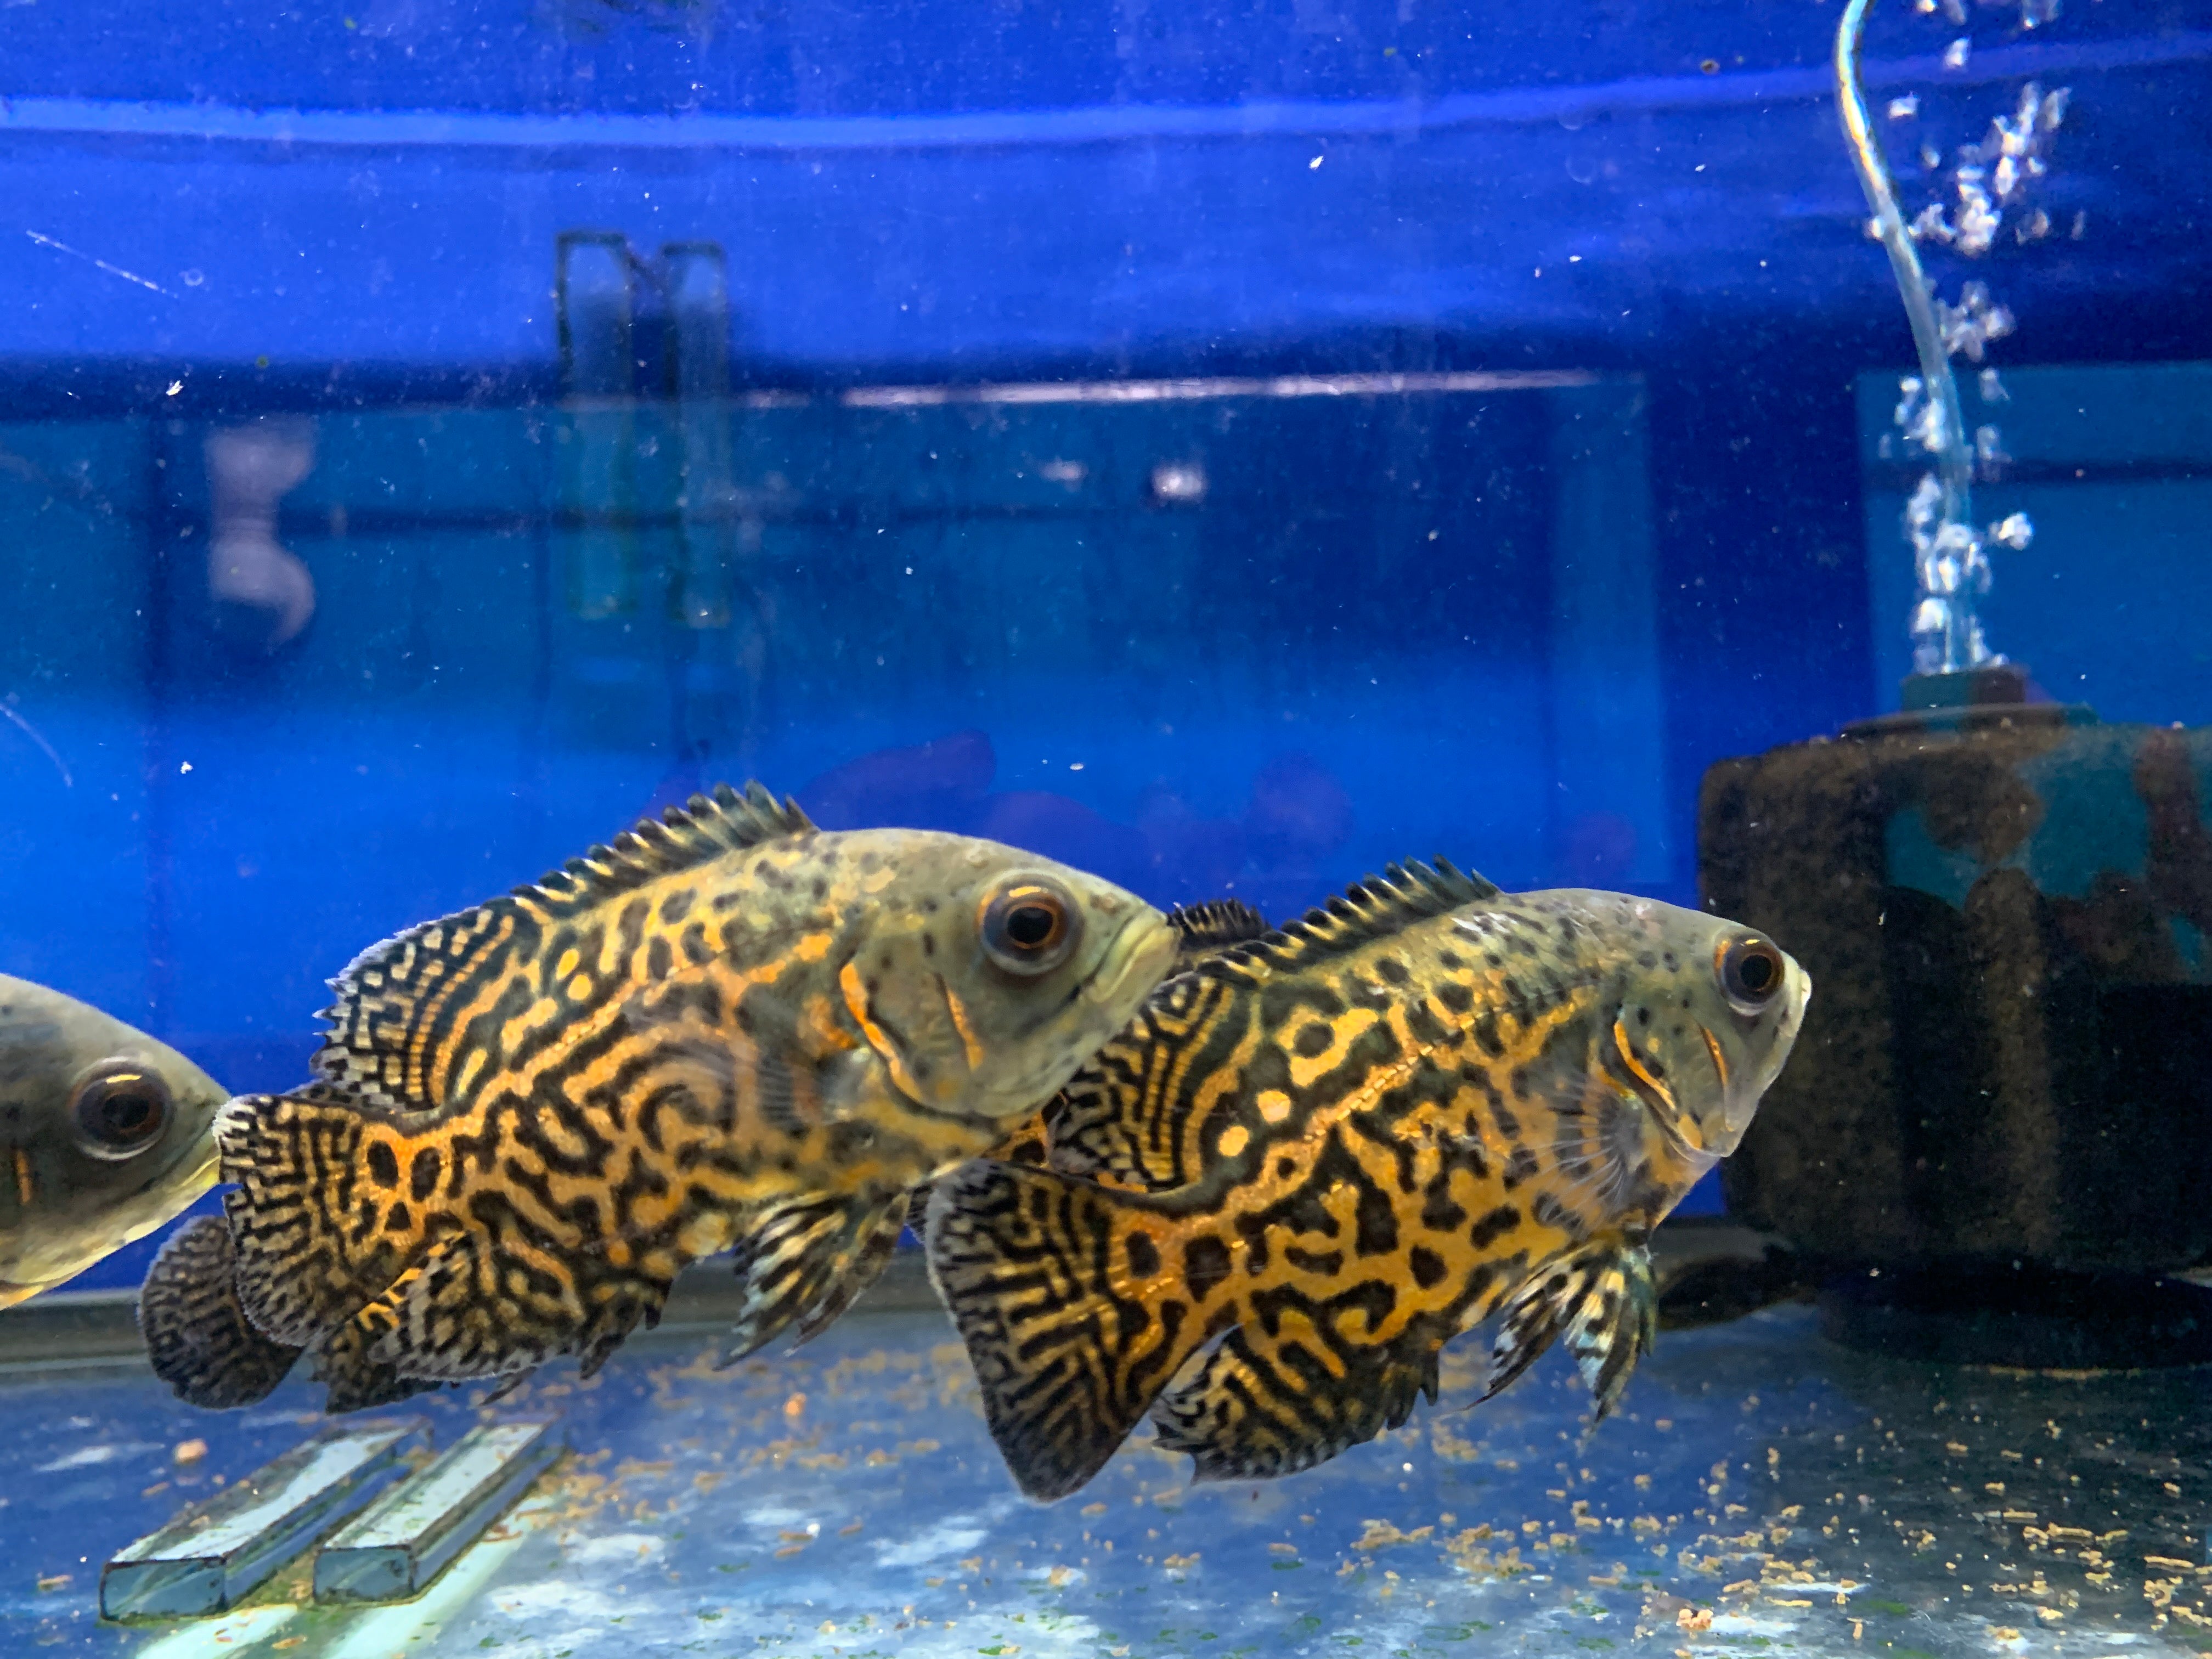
[1313, 1158]
[728, 1030]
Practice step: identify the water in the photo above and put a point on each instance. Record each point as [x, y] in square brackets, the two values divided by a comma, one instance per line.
[1766, 1490]
[1227, 450]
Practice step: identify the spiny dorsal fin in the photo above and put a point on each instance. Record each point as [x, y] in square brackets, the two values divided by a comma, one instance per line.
[1201, 929]
[386, 1031]
[1374, 907]
[681, 838]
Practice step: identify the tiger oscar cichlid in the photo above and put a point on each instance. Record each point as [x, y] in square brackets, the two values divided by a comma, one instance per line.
[1315, 1156]
[728, 1030]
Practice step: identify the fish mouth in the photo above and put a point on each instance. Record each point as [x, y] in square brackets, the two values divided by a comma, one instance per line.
[1139, 957]
[197, 1178]
[1137, 960]
[1739, 1096]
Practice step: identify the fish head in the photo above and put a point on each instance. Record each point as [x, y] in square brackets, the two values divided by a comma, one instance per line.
[1705, 1011]
[984, 977]
[105, 1134]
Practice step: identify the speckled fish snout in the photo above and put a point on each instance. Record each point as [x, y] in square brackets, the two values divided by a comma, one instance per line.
[1740, 1095]
[1140, 955]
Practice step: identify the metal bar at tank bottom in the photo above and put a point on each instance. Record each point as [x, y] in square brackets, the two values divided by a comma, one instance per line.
[411, 1533]
[215, 1551]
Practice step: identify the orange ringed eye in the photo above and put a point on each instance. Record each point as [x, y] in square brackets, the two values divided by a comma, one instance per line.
[1751, 972]
[1028, 927]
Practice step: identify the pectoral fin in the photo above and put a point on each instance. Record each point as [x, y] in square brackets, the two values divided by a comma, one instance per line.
[803, 1263]
[1602, 1299]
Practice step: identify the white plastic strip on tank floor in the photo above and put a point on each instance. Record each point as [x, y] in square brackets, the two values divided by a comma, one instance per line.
[371, 1632]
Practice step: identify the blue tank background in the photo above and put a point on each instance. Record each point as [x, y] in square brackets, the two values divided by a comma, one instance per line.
[1508, 621]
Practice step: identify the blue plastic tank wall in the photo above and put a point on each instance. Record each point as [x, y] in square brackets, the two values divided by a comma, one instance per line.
[1506, 619]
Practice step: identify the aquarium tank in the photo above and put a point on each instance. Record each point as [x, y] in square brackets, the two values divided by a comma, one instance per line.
[1071, 828]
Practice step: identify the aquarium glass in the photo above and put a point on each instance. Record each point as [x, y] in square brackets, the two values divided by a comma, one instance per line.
[1229, 449]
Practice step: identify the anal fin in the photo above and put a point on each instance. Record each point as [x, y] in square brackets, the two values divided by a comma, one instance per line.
[453, 1316]
[1602, 1299]
[615, 1310]
[1264, 1405]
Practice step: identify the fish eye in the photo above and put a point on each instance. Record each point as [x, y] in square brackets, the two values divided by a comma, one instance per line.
[119, 1108]
[1028, 926]
[1751, 972]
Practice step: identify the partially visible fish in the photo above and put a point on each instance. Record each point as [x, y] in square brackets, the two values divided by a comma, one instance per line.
[1207, 929]
[1313, 1158]
[728, 1030]
[105, 1134]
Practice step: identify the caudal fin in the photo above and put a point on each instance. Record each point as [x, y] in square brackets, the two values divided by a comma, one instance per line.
[198, 1337]
[1057, 1288]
